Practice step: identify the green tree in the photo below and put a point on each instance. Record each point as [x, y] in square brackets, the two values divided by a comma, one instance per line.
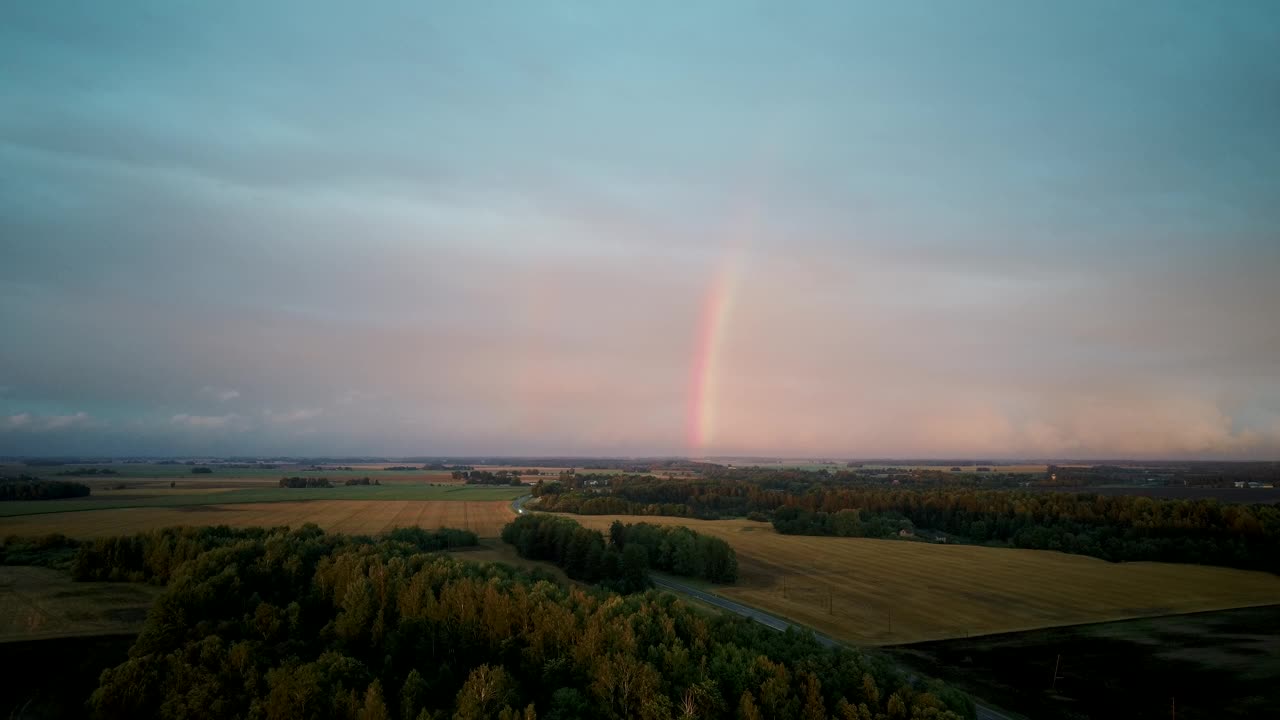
[374, 708]
[413, 695]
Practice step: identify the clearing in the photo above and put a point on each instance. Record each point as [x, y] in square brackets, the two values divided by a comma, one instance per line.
[39, 603]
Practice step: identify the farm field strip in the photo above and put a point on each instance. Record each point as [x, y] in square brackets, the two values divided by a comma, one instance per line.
[485, 518]
[888, 591]
[220, 496]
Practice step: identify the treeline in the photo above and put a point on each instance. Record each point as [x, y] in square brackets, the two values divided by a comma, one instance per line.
[299, 624]
[86, 472]
[157, 556]
[619, 560]
[322, 482]
[488, 477]
[679, 550]
[842, 523]
[583, 554]
[305, 482]
[29, 487]
[1116, 528]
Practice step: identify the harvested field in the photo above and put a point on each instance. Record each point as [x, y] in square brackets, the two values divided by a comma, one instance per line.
[38, 603]
[485, 518]
[888, 591]
[224, 496]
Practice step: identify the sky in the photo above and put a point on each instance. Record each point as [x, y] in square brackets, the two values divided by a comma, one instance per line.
[939, 229]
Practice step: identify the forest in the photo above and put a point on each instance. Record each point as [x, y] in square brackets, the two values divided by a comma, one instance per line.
[621, 561]
[1116, 528]
[296, 623]
[30, 487]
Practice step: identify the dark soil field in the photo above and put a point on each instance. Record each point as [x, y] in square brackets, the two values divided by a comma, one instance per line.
[1203, 666]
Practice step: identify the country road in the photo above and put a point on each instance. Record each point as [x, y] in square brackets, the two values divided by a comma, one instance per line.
[759, 616]
[982, 712]
[517, 505]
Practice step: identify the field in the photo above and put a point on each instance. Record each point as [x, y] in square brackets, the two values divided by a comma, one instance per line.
[1206, 665]
[882, 592]
[166, 497]
[484, 517]
[39, 603]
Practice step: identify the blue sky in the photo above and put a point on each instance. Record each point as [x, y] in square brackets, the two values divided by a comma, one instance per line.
[953, 228]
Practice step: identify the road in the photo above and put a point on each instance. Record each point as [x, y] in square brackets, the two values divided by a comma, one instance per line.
[759, 616]
[517, 505]
[981, 712]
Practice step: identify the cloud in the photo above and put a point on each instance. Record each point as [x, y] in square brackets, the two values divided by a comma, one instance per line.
[296, 416]
[1083, 264]
[351, 397]
[211, 422]
[46, 423]
[223, 395]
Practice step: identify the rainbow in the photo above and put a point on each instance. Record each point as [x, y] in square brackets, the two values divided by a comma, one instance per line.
[708, 345]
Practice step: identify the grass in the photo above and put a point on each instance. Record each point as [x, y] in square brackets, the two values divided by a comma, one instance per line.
[483, 517]
[882, 592]
[161, 497]
[38, 603]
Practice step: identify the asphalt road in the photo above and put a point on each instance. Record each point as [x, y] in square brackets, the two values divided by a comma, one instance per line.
[759, 616]
[517, 505]
[982, 712]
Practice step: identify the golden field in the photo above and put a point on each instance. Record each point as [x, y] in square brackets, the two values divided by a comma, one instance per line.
[876, 592]
[485, 518]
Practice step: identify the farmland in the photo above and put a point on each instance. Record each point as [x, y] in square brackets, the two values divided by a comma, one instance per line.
[1206, 665]
[163, 497]
[484, 517]
[881, 592]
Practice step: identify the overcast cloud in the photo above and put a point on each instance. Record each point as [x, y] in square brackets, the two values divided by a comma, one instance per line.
[955, 228]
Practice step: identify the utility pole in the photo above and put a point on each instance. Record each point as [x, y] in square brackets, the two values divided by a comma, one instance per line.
[1173, 708]
[1056, 665]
